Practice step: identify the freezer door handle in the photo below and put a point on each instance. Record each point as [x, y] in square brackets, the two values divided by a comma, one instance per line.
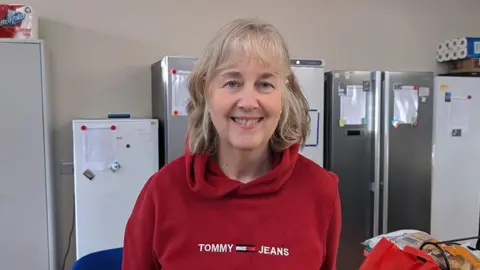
[385, 150]
[376, 80]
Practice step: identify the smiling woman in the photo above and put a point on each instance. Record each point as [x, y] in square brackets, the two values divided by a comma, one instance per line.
[240, 46]
[241, 197]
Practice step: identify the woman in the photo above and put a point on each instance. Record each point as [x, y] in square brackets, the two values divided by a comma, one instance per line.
[241, 197]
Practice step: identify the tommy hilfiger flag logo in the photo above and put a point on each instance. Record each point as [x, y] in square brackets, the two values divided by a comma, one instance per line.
[245, 248]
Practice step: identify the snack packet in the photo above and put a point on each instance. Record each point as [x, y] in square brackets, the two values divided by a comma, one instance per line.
[17, 22]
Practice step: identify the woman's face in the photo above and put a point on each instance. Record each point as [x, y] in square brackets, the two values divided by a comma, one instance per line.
[245, 103]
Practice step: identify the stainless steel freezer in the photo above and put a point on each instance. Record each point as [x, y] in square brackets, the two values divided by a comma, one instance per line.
[169, 97]
[378, 140]
[406, 156]
[349, 152]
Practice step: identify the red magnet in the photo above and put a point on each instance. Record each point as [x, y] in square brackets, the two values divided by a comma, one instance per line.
[83, 127]
[113, 127]
[174, 71]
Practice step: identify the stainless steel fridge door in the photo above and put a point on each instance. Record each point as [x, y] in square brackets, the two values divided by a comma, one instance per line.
[310, 75]
[169, 94]
[407, 150]
[350, 153]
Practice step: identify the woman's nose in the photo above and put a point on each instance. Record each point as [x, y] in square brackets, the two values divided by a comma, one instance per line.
[248, 98]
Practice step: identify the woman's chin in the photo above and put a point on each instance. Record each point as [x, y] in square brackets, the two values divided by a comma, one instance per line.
[246, 144]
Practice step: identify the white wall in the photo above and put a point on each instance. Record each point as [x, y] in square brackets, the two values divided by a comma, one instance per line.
[100, 51]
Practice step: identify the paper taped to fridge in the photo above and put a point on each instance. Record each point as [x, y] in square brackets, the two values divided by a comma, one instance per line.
[99, 145]
[405, 105]
[459, 115]
[180, 92]
[353, 105]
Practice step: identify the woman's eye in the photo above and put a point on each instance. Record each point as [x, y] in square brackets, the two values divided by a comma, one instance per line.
[264, 85]
[232, 84]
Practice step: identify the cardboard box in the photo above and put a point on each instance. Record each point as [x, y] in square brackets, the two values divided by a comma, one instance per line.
[469, 65]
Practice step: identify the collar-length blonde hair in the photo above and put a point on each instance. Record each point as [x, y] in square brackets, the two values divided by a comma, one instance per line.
[261, 41]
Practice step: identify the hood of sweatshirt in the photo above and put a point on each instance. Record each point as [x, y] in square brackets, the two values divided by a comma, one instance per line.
[205, 177]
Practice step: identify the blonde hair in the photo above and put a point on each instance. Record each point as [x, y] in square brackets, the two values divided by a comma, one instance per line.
[261, 41]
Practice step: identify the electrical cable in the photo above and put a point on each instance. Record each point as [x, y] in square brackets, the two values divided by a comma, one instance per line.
[69, 240]
[442, 252]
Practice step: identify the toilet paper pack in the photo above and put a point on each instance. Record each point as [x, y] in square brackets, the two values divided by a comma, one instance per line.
[17, 22]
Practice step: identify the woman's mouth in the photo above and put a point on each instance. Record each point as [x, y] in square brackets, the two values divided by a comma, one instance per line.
[246, 122]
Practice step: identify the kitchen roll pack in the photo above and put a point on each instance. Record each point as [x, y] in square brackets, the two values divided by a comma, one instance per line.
[458, 48]
[18, 22]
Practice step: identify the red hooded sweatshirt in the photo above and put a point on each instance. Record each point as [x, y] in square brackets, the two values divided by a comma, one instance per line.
[191, 216]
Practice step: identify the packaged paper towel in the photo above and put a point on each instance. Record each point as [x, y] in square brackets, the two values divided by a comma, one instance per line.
[401, 238]
[458, 49]
[17, 22]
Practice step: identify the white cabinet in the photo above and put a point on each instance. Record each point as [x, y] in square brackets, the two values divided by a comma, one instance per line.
[26, 220]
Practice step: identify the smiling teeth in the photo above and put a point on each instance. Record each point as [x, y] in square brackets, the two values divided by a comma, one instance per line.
[245, 122]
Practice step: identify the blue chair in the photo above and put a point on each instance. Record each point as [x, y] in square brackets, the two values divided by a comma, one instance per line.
[110, 259]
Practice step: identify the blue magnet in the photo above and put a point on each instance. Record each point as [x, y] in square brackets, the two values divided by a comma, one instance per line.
[448, 97]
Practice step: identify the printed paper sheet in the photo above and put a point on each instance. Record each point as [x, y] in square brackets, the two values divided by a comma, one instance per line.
[405, 106]
[99, 147]
[459, 116]
[180, 92]
[353, 105]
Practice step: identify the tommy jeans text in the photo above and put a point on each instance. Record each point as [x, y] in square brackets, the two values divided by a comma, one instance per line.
[244, 248]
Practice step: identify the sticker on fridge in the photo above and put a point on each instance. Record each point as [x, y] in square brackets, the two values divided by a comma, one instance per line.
[353, 105]
[179, 92]
[405, 104]
[424, 92]
[444, 87]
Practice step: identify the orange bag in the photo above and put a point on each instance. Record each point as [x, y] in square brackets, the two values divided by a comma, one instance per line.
[387, 256]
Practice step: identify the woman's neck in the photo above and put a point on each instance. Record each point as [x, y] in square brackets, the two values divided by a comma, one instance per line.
[244, 166]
